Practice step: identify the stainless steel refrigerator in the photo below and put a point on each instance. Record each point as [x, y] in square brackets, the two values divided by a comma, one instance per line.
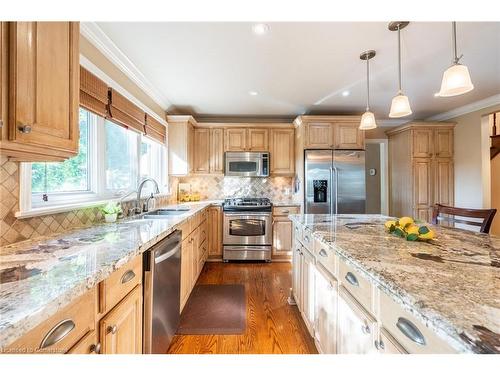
[334, 182]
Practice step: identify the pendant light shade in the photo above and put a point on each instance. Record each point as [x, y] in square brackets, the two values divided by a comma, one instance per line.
[456, 79]
[368, 119]
[400, 106]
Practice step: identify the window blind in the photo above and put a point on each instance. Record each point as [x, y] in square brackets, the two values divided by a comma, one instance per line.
[93, 93]
[155, 130]
[123, 112]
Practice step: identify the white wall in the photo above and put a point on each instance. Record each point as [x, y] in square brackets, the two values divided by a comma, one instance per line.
[472, 179]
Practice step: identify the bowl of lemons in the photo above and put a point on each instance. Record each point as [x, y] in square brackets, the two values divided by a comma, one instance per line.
[407, 228]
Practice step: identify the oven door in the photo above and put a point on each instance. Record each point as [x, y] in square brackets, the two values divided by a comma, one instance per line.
[248, 228]
[243, 165]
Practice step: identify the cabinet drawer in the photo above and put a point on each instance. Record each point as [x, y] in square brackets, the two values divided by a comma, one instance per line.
[326, 257]
[412, 334]
[185, 227]
[203, 215]
[203, 232]
[285, 211]
[120, 283]
[357, 285]
[89, 344]
[61, 331]
[307, 240]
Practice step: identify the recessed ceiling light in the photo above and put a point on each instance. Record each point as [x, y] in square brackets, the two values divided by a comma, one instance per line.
[253, 93]
[260, 28]
[346, 93]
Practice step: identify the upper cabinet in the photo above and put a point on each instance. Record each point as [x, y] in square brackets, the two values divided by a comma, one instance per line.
[331, 132]
[180, 145]
[282, 152]
[258, 139]
[235, 139]
[201, 151]
[216, 151]
[43, 86]
[3, 81]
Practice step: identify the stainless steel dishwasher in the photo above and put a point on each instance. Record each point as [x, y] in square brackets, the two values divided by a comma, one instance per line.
[162, 284]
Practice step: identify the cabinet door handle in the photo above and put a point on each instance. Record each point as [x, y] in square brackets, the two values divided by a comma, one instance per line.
[351, 279]
[112, 329]
[411, 331]
[379, 345]
[1, 123]
[127, 276]
[57, 333]
[307, 238]
[286, 212]
[323, 253]
[96, 348]
[25, 129]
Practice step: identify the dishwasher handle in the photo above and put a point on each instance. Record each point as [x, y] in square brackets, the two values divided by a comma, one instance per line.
[165, 255]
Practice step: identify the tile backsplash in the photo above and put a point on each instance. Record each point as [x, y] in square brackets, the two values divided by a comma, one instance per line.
[14, 230]
[219, 187]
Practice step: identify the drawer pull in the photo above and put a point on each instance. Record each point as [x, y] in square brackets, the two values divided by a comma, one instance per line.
[25, 129]
[127, 276]
[307, 238]
[351, 279]
[112, 329]
[286, 212]
[57, 333]
[96, 348]
[411, 331]
[379, 345]
[323, 253]
[365, 329]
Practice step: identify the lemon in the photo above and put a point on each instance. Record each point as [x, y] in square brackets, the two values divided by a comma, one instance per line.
[405, 221]
[425, 233]
[412, 229]
[389, 224]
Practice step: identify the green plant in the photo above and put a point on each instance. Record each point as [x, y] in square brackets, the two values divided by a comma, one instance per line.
[111, 208]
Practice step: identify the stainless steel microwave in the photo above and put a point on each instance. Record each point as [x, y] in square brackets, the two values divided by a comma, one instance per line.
[247, 164]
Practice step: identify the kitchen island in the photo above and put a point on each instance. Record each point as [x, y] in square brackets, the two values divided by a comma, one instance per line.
[450, 285]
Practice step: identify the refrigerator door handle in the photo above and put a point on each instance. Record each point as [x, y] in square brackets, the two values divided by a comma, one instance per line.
[333, 202]
[336, 174]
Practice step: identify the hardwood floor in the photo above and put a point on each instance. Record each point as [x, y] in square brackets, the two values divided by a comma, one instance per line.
[273, 326]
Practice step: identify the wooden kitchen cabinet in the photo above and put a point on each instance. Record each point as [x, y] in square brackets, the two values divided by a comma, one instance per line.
[282, 231]
[421, 168]
[348, 136]
[356, 327]
[319, 135]
[3, 82]
[325, 326]
[297, 273]
[121, 329]
[235, 139]
[387, 344]
[282, 152]
[258, 139]
[89, 344]
[181, 143]
[44, 86]
[215, 232]
[201, 151]
[307, 288]
[186, 269]
[216, 157]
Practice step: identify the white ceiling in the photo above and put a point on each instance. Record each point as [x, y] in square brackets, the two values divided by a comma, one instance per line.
[209, 68]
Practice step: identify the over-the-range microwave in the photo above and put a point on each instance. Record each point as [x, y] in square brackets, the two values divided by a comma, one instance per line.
[246, 164]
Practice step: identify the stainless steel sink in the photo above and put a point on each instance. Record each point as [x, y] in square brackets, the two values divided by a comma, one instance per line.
[161, 213]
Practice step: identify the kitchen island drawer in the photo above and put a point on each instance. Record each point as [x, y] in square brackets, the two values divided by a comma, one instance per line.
[410, 332]
[360, 287]
[120, 283]
[61, 331]
[327, 257]
[285, 210]
[307, 240]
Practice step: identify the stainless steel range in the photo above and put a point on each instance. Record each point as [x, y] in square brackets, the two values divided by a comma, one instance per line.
[247, 229]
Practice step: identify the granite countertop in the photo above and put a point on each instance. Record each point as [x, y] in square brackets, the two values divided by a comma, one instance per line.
[38, 277]
[452, 283]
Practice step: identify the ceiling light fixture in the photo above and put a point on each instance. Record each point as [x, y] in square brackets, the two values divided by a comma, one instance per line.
[345, 93]
[456, 79]
[253, 93]
[400, 106]
[368, 118]
[260, 28]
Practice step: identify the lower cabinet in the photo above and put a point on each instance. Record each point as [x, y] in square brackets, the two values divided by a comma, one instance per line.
[307, 288]
[356, 328]
[387, 344]
[121, 329]
[89, 344]
[325, 325]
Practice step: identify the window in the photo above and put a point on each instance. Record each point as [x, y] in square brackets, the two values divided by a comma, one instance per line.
[112, 160]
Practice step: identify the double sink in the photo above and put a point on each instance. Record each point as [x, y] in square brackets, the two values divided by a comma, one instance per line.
[165, 213]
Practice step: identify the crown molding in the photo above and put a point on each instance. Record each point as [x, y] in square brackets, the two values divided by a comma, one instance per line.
[468, 108]
[94, 34]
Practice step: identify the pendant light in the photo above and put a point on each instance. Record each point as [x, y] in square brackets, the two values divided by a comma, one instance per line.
[368, 118]
[456, 79]
[400, 105]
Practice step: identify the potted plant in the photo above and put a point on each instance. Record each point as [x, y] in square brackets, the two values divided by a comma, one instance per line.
[111, 211]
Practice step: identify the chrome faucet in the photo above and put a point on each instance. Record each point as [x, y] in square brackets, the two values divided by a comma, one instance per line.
[139, 191]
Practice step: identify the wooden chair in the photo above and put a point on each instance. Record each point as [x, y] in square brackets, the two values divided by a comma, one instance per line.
[451, 213]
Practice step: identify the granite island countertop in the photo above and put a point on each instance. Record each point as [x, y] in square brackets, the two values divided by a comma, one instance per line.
[452, 284]
[40, 276]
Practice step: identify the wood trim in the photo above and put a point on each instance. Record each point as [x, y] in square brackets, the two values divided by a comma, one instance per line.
[124, 112]
[421, 125]
[225, 125]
